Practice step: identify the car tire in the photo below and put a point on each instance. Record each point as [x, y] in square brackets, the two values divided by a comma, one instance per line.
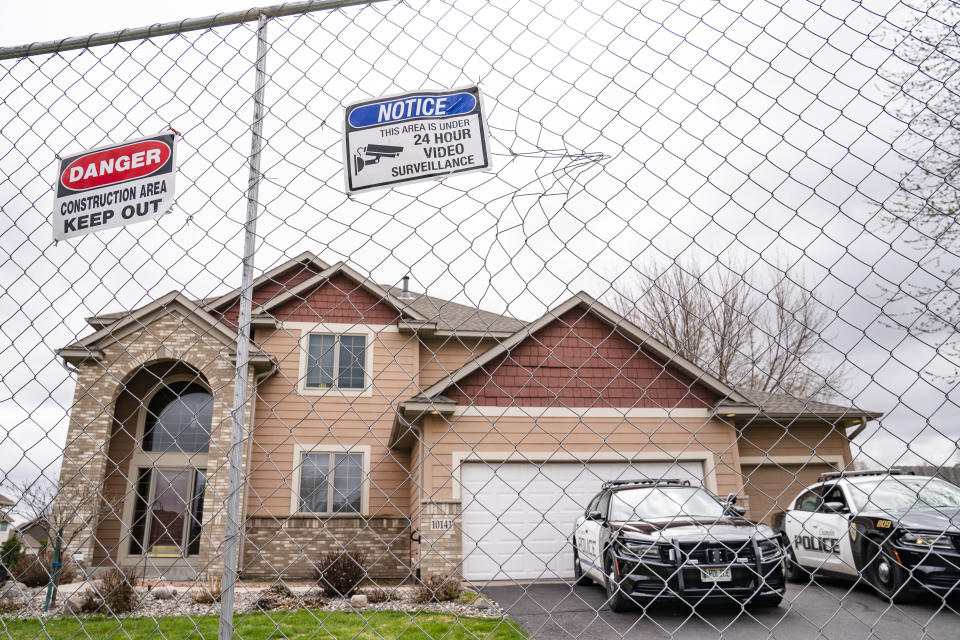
[580, 579]
[617, 600]
[887, 576]
[792, 570]
[766, 602]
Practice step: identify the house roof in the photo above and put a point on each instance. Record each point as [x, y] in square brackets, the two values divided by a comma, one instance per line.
[91, 346]
[460, 319]
[449, 318]
[775, 404]
[5, 501]
[304, 288]
[597, 308]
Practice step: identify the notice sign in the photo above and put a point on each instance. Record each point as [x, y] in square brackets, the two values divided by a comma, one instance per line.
[113, 186]
[412, 137]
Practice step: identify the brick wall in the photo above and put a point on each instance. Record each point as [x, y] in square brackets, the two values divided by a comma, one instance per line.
[288, 547]
[440, 551]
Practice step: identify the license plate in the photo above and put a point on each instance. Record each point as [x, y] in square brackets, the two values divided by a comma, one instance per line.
[722, 574]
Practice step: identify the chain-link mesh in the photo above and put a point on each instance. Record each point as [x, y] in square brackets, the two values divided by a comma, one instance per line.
[648, 376]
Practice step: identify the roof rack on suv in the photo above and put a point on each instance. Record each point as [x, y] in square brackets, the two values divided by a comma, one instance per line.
[647, 482]
[873, 472]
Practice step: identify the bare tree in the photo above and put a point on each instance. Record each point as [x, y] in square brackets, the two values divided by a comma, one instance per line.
[764, 334]
[923, 86]
[38, 502]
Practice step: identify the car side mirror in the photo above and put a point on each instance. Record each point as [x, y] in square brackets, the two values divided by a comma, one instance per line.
[731, 498]
[594, 515]
[740, 511]
[834, 507]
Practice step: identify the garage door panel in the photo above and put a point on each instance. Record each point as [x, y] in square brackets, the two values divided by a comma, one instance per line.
[518, 517]
[771, 487]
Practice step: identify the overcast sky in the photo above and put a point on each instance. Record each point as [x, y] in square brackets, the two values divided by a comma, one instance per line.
[728, 131]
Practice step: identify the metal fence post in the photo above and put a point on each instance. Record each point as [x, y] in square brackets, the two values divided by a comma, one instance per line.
[232, 532]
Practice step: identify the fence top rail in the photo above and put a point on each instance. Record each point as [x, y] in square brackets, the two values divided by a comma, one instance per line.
[170, 28]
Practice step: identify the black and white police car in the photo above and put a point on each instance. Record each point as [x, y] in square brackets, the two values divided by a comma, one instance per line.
[897, 531]
[645, 540]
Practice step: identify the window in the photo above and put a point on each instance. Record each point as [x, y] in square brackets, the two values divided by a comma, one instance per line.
[834, 494]
[808, 501]
[168, 512]
[336, 361]
[593, 504]
[3, 526]
[330, 482]
[178, 419]
[604, 504]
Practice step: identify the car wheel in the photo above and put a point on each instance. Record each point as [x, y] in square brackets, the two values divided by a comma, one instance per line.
[793, 572]
[579, 578]
[887, 575]
[619, 601]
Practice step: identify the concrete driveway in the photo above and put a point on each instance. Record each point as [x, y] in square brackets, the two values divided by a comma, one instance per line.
[822, 609]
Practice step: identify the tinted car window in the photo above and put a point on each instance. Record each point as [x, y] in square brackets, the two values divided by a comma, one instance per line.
[604, 503]
[808, 501]
[592, 506]
[834, 494]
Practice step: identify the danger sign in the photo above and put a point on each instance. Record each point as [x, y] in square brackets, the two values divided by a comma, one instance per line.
[413, 137]
[113, 186]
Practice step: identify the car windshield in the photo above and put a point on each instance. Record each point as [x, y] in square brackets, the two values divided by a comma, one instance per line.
[901, 494]
[663, 503]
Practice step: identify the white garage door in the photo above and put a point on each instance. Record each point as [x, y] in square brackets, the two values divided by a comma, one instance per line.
[518, 517]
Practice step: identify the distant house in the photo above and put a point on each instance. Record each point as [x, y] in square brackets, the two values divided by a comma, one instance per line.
[6, 522]
[432, 435]
[34, 535]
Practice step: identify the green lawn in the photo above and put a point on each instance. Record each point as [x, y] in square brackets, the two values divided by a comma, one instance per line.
[288, 625]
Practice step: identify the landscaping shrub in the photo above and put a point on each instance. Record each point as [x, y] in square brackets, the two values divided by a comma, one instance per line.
[438, 588]
[10, 554]
[117, 592]
[340, 573]
[34, 571]
[376, 595]
[210, 590]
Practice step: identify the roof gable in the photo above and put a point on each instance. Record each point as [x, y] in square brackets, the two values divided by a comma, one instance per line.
[297, 298]
[173, 302]
[580, 364]
[268, 286]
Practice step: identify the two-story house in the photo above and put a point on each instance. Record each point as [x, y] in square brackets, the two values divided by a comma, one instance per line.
[429, 434]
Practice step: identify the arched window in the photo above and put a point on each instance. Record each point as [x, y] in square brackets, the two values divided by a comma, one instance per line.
[178, 419]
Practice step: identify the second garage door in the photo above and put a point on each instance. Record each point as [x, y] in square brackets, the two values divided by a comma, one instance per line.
[518, 517]
[772, 487]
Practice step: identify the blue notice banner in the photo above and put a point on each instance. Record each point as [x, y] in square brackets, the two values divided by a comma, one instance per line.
[408, 107]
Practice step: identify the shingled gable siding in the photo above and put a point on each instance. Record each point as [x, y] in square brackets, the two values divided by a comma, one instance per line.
[339, 300]
[270, 289]
[579, 360]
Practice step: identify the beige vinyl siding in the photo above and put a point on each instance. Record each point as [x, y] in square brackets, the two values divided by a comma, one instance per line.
[439, 357]
[285, 418]
[763, 440]
[597, 436]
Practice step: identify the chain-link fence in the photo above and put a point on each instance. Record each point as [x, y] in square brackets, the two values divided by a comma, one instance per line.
[646, 374]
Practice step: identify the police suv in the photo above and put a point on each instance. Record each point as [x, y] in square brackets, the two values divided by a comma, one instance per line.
[898, 531]
[650, 539]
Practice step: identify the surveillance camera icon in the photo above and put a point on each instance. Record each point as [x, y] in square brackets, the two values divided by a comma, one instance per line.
[375, 152]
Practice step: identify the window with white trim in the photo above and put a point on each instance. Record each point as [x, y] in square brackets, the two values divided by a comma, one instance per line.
[336, 361]
[330, 482]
